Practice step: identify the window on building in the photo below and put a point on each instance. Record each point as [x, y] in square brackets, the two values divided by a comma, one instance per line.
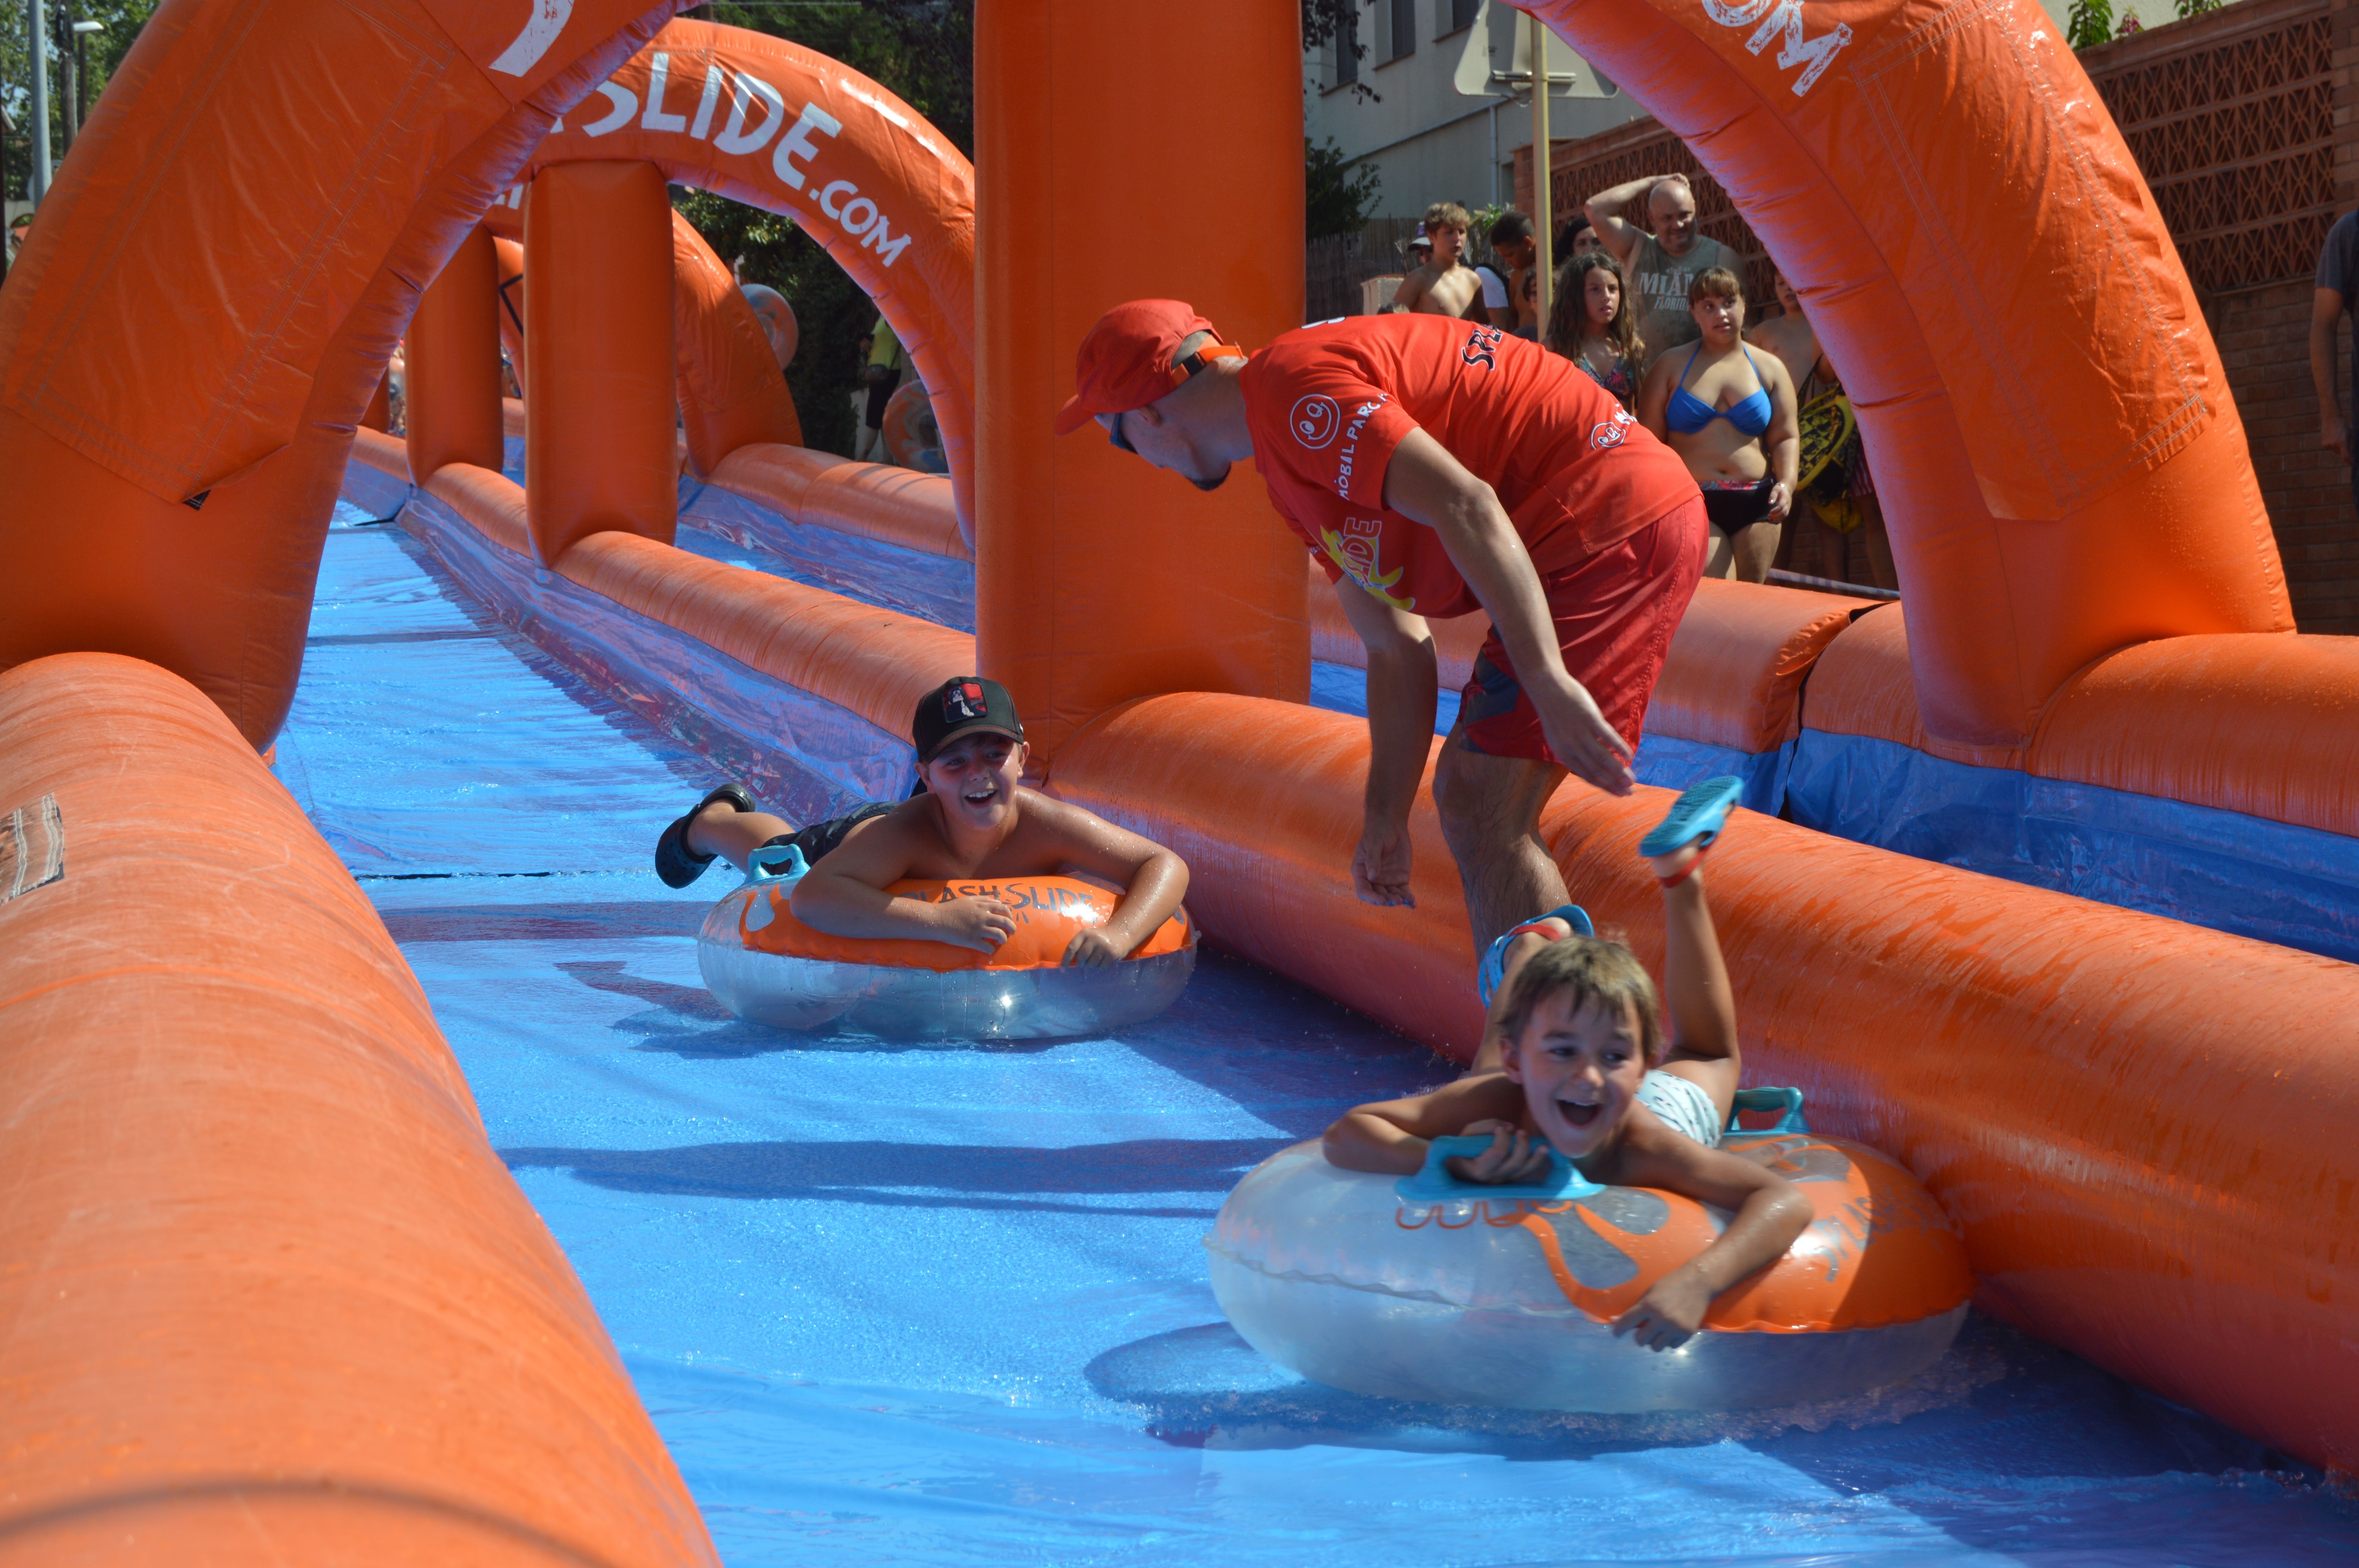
[1404, 27]
[1458, 14]
[1347, 51]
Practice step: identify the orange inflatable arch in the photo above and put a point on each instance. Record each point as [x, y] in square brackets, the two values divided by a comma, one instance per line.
[772, 124]
[2062, 464]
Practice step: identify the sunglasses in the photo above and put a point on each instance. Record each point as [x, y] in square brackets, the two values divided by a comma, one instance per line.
[1121, 441]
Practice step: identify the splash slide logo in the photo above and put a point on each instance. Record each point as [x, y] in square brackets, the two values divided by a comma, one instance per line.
[1358, 550]
[540, 29]
[1315, 420]
[1782, 17]
[756, 112]
[1610, 432]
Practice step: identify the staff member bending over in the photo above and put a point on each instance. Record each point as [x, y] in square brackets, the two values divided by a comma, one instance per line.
[1441, 468]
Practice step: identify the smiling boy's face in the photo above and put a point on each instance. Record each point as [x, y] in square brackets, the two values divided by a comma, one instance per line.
[1581, 1066]
[975, 776]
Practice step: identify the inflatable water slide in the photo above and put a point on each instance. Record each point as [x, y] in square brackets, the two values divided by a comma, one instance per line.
[2048, 891]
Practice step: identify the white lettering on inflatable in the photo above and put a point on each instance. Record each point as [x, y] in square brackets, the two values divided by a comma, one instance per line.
[854, 222]
[834, 188]
[702, 126]
[891, 113]
[797, 143]
[733, 138]
[540, 29]
[1813, 56]
[654, 119]
[626, 104]
[881, 240]
[1776, 17]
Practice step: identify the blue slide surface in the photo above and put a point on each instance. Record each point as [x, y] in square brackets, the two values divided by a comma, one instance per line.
[947, 1306]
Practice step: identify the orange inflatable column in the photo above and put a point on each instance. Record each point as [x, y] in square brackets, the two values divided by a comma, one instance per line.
[1098, 580]
[732, 392]
[452, 397]
[599, 444]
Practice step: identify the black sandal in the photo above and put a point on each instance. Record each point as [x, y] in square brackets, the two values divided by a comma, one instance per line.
[675, 862]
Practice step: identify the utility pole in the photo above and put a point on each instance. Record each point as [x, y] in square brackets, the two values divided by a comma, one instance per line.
[1543, 221]
[37, 184]
[69, 43]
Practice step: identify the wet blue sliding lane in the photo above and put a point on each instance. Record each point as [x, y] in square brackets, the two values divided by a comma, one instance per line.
[947, 1306]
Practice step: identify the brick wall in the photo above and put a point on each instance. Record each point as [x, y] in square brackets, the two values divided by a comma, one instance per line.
[2245, 123]
[2264, 337]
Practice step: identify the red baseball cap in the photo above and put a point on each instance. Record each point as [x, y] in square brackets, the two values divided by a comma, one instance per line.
[1127, 360]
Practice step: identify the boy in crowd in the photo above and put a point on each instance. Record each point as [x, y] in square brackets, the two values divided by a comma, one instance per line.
[1443, 284]
[1573, 1059]
[1510, 290]
[971, 821]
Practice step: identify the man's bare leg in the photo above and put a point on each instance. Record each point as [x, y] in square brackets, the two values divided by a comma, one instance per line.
[1490, 807]
[1752, 549]
[722, 829]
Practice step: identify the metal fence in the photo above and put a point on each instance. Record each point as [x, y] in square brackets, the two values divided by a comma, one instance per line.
[1335, 266]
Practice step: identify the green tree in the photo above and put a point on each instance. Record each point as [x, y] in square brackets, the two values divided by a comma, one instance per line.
[1337, 198]
[2089, 23]
[103, 52]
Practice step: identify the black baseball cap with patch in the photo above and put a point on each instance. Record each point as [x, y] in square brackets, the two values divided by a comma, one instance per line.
[961, 706]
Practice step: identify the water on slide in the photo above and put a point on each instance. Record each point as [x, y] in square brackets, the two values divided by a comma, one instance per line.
[947, 1306]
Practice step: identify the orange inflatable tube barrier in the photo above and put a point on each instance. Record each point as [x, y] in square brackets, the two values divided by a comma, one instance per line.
[876, 662]
[2265, 726]
[870, 501]
[271, 1292]
[2132, 1118]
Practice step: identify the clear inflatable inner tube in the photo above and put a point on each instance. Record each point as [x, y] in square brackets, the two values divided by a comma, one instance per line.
[767, 967]
[1481, 1298]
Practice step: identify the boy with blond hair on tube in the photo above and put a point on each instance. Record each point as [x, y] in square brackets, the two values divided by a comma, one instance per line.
[1575, 1059]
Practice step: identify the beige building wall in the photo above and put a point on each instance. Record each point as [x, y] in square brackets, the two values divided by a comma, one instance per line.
[1430, 142]
[1427, 141]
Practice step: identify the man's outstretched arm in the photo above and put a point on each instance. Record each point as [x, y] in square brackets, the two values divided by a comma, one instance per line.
[1424, 483]
[2325, 315]
[1605, 209]
[1403, 688]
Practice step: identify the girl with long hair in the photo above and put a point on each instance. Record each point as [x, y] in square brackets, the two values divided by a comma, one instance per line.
[1592, 324]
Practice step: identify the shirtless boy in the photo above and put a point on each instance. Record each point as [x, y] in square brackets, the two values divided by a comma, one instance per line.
[1445, 284]
[974, 821]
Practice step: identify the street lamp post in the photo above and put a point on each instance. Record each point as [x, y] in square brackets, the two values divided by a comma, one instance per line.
[37, 184]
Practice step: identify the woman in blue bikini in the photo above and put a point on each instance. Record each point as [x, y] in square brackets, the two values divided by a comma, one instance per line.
[1730, 415]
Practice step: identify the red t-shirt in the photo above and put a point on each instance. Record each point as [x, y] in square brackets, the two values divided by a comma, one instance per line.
[1327, 404]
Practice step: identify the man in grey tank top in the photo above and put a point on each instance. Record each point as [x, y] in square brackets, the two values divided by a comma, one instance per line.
[1660, 265]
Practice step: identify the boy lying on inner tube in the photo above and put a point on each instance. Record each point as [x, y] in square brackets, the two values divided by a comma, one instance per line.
[971, 821]
[1574, 1056]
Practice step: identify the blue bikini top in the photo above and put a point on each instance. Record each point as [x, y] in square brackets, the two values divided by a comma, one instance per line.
[1688, 412]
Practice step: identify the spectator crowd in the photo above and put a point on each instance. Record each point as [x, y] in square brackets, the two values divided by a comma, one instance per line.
[1654, 311]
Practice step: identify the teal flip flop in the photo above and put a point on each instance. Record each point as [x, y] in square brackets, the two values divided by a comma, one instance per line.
[1492, 970]
[1700, 813]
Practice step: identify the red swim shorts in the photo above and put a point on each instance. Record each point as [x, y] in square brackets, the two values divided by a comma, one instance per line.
[1614, 614]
